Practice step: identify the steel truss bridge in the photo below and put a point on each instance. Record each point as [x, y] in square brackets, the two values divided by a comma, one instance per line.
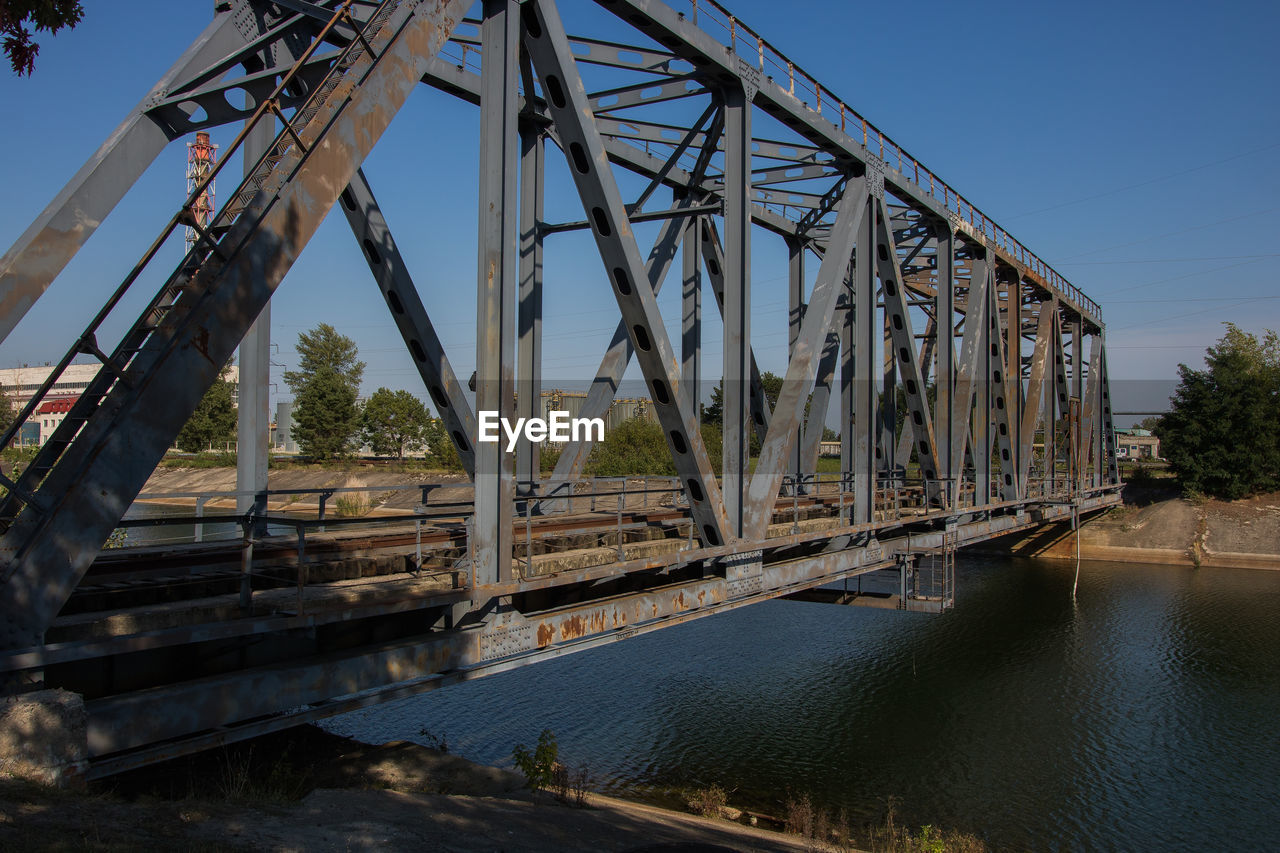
[1006, 431]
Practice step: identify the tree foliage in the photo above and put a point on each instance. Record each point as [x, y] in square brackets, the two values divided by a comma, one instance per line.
[638, 446]
[394, 422]
[323, 347]
[7, 412]
[16, 15]
[213, 421]
[326, 418]
[1222, 434]
[440, 449]
[713, 412]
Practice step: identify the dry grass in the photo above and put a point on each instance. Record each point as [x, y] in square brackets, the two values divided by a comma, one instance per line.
[707, 802]
[352, 504]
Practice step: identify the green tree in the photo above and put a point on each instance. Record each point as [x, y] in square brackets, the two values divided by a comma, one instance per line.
[394, 422]
[1151, 423]
[713, 412]
[1222, 434]
[326, 417]
[51, 15]
[435, 436]
[324, 347]
[213, 421]
[7, 412]
[325, 387]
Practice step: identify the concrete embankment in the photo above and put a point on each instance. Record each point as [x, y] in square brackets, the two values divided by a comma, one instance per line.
[386, 488]
[1163, 527]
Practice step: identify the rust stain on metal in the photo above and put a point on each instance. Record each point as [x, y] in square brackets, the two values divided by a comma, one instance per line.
[545, 635]
[572, 628]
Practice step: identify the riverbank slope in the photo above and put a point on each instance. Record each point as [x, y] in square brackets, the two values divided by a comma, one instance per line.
[1160, 526]
[313, 791]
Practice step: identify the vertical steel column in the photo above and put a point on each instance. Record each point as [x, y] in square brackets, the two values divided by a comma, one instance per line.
[1108, 429]
[980, 431]
[848, 373]
[1013, 378]
[691, 315]
[498, 248]
[889, 397]
[1000, 415]
[736, 390]
[253, 420]
[1077, 393]
[820, 402]
[1038, 393]
[865, 417]
[945, 353]
[795, 316]
[529, 320]
[1058, 409]
[1090, 412]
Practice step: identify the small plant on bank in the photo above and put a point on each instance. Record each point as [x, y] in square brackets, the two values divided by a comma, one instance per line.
[538, 766]
[707, 802]
[352, 504]
[431, 740]
[570, 786]
[800, 816]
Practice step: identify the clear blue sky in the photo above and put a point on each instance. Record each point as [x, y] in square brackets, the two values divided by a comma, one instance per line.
[1132, 145]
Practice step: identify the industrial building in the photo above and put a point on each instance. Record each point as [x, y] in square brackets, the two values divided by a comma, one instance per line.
[1137, 443]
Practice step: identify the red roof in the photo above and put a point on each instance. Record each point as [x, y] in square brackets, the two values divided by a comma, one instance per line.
[57, 405]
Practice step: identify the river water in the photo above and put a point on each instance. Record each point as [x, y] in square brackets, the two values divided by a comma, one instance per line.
[1143, 716]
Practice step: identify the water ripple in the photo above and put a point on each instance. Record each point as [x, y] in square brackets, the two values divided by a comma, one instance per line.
[1138, 717]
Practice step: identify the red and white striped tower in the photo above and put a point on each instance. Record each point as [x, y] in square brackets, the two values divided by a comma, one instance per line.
[201, 157]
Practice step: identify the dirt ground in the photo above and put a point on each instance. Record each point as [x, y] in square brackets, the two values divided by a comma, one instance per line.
[1161, 526]
[307, 790]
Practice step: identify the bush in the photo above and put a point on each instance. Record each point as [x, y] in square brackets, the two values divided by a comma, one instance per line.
[707, 802]
[635, 446]
[638, 446]
[570, 786]
[539, 765]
